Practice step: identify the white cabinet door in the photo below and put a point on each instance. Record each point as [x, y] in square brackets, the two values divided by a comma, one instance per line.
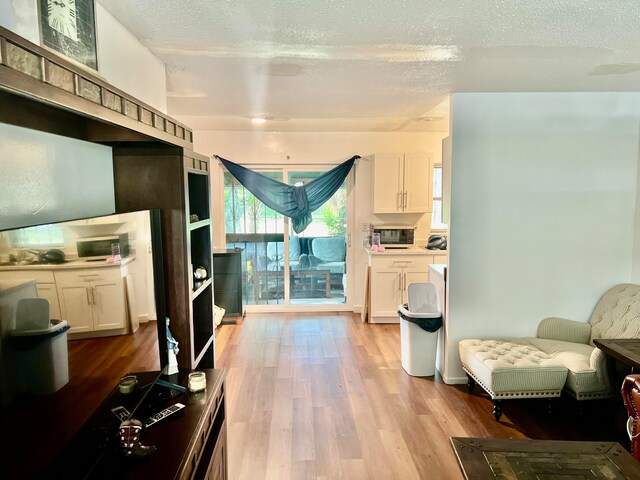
[418, 183]
[387, 183]
[75, 306]
[385, 292]
[108, 305]
[49, 292]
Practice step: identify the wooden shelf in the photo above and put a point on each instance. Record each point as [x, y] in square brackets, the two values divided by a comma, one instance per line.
[201, 289]
[200, 224]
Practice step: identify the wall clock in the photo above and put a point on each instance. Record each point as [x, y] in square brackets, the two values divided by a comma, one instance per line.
[69, 27]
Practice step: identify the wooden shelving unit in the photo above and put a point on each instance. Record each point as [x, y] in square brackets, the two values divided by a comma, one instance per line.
[177, 181]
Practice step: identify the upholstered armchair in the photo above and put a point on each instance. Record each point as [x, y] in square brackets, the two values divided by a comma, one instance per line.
[631, 397]
[562, 356]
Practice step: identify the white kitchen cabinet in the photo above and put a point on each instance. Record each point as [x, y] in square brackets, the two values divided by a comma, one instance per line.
[92, 299]
[403, 183]
[390, 277]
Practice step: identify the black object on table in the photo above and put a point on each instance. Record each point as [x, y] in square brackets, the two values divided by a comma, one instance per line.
[227, 282]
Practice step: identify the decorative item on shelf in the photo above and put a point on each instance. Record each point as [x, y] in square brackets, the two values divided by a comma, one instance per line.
[130, 439]
[197, 382]
[128, 384]
[172, 345]
[197, 285]
[69, 27]
[193, 218]
[200, 273]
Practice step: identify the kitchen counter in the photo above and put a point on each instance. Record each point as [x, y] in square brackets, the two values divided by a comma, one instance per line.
[437, 270]
[71, 264]
[9, 286]
[406, 251]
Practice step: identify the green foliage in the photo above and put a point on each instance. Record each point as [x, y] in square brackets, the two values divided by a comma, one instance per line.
[334, 215]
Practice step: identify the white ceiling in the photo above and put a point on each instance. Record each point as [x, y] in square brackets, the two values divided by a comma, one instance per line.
[325, 65]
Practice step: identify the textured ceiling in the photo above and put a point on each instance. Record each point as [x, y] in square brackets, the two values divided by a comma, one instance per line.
[324, 65]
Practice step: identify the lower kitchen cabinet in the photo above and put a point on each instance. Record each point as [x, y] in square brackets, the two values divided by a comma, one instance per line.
[391, 275]
[92, 300]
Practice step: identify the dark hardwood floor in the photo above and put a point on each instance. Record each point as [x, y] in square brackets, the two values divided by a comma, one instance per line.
[325, 396]
[308, 396]
[38, 427]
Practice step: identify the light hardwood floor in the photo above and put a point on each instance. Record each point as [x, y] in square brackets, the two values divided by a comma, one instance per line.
[325, 396]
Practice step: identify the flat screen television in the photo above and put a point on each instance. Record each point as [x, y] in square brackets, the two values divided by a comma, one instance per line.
[107, 339]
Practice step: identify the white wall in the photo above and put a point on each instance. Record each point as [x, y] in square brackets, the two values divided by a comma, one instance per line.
[273, 148]
[21, 17]
[542, 209]
[122, 60]
[127, 64]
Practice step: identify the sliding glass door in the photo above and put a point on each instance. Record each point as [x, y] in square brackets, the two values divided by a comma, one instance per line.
[318, 269]
[259, 231]
[306, 268]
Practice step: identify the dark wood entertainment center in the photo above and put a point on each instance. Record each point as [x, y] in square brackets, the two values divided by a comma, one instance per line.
[154, 167]
[190, 444]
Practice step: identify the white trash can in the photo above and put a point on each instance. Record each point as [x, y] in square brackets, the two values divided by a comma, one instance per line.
[41, 358]
[420, 320]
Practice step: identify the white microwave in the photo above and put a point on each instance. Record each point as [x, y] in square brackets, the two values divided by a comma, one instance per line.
[396, 236]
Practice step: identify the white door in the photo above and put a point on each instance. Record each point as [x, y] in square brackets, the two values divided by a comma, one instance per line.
[387, 183]
[108, 305]
[386, 293]
[75, 306]
[418, 172]
[49, 292]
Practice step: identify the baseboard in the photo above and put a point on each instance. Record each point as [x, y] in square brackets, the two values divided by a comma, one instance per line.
[357, 309]
[454, 380]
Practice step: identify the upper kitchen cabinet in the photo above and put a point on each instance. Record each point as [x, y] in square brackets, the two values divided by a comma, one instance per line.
[403, 183]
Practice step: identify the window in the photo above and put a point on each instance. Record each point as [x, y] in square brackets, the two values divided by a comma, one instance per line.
[40, 236]
[436, 216]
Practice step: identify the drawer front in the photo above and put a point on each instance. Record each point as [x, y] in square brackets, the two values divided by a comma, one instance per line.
[40, 276]
[401, 261]
[89, 275]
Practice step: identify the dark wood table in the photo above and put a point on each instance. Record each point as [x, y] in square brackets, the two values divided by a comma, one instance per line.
[627, 350]
[516, 459]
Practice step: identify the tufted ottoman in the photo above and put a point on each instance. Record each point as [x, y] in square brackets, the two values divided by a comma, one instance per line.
[509, 369]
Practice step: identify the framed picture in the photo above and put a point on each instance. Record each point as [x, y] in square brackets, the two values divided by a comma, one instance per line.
[69, 28]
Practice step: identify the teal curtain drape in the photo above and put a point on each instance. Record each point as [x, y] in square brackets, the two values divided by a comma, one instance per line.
[297, 203]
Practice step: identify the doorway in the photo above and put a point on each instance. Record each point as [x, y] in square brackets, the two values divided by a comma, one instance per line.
[282, 269]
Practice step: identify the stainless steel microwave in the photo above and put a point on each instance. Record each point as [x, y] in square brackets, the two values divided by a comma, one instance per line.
[103, 247]
[396, 236]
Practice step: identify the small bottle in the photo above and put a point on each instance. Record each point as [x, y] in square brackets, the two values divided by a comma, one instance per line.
[115, 252]
[375, 242]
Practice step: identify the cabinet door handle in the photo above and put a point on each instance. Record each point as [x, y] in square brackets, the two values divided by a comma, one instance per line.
[349, 240]
[93, 298]
[86, 289]
[400, 281]
[404, 281]
[404, 204]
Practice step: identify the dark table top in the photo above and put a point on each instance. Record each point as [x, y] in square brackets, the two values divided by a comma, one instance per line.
[627, 350]
[521, 459]
[94, 453]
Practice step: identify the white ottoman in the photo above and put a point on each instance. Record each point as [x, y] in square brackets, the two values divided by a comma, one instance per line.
[508, 369]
